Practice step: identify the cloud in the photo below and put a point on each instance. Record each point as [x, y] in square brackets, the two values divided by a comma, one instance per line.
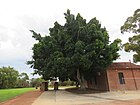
[3, 34]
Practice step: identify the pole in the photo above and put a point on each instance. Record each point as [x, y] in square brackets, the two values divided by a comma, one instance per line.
[133, 76]
[134, 80]
[123, 84]
[55, 95]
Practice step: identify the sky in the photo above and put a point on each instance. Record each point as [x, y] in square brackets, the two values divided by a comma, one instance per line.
[17, 17]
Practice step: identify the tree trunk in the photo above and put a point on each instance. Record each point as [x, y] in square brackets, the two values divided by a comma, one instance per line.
[82, 81]
[83, 85]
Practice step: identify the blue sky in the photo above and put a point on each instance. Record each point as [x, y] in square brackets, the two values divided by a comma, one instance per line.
[17, 17]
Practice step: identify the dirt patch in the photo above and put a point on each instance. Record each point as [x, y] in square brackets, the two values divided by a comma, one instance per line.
[24, 99]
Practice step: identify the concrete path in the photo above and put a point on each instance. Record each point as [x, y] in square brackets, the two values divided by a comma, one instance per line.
[63, 97]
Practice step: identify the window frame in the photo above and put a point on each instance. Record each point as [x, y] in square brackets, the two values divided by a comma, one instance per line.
[121, 78]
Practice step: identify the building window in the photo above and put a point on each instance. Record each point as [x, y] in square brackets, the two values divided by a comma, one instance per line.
[121, 78]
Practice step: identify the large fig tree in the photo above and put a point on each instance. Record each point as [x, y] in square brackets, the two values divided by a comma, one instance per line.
[75, 50]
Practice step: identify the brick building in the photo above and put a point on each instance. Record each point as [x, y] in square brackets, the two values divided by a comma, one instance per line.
[118, 76]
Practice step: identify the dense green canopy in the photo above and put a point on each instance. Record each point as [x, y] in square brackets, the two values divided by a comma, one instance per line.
[8, 77]
[132, 24]
[75, 50]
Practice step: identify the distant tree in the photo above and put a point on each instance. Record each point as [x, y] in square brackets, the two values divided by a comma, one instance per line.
[35, 82]
[75, 50]
[8, 77]
[24, 76]
[132, 24]
[23, 80]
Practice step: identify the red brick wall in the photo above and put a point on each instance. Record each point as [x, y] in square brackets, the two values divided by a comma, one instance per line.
[102, 83]
[112, 79]
[130, 84]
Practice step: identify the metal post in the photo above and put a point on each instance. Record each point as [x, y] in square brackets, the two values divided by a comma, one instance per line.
[55, 95]
[123, 85]
[133, 76]
[134, 80]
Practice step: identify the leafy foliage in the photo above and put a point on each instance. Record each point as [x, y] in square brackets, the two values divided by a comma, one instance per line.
[76, 45]
[23, 80]
[132, 24]
[8, 77]
[35, 82]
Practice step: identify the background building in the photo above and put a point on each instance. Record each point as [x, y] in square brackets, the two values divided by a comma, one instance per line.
[118, 76]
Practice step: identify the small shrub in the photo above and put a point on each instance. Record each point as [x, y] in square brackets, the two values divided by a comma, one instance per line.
[67, 83]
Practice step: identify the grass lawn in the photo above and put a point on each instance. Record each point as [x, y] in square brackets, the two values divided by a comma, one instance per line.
[6, 94]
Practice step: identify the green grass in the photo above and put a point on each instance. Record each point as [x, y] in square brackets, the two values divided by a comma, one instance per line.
[6, 94]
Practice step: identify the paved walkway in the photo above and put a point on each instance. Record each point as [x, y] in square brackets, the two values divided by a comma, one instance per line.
[63, 97]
